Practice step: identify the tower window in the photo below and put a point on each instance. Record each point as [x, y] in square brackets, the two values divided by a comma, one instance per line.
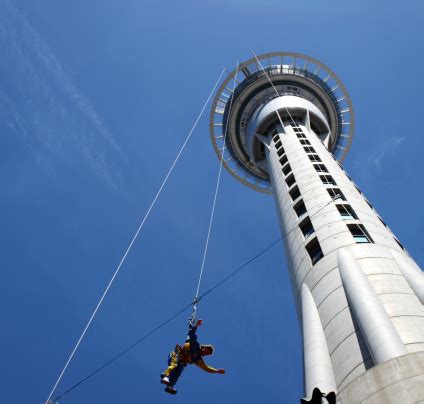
[301, 136]
[400, 245]
[300, 208]
[382, 221]
[280, 152]
[306, 227]
[278, 144]
[327, 179]
[276, 136]
[297, 129]
[360, 235]
[346, 212]
[321, 168]
[314, 157]
[286, 169]
[358, 189]
[283, 160]
[309, 149]
[368, 203]
[305, 141]
[314, 250]
[290, 180]
[294, 193]
[335, 192]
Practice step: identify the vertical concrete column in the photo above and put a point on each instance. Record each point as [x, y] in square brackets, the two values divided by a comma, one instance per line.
[317, 363]
[383, 341]
[412, 273]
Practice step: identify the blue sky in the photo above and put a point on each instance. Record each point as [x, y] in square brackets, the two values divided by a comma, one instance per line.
[95, 100]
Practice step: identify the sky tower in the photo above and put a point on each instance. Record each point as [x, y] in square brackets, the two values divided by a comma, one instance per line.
[359, 295]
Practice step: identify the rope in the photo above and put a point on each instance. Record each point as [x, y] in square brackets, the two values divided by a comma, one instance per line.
[185, 308]
[123, 352]
[214, 200]
[133, 240]
[229, 276]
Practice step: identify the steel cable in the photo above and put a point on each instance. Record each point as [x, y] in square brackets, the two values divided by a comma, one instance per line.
[118, 268]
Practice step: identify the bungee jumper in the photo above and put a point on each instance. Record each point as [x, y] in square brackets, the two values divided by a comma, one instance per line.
[191, 353]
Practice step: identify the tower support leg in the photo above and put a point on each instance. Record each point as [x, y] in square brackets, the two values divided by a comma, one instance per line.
[412, 273]
[318, 368]
[382, 339]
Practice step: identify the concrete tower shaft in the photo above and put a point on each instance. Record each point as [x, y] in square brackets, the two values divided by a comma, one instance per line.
[358, 293]
[369, 318]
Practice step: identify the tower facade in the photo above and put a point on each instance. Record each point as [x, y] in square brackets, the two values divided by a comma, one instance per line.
[285, 122]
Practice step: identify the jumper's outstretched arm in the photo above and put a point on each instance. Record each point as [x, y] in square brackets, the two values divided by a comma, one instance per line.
[207, 368]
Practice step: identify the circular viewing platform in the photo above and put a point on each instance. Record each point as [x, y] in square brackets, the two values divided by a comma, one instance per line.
[292, 74]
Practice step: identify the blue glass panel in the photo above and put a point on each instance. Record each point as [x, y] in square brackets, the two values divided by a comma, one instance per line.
[361, 239]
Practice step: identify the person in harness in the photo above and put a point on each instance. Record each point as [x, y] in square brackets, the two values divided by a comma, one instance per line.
[188, 354]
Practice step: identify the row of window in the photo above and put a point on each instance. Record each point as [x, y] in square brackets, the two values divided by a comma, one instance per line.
[346, 211]
[367, 202]
[313, 248]
[272, 129]
[358, 231]
[329, 180]
[379, 218]
[281, 154]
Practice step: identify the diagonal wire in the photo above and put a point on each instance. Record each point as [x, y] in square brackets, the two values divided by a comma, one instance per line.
[123, 352]
[216, 192]
[132, 241]
[185, 308]
[230, 275]
[164, 323]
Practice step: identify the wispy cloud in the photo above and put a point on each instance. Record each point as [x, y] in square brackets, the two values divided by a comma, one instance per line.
[41, 104]
[388, 146]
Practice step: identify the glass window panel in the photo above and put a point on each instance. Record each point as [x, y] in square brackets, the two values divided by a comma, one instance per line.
[295, 193]
[314, 250]
[300, 208]
[361, 239]
[286, 169]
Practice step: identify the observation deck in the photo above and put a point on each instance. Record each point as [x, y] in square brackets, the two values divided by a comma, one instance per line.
[301, 81]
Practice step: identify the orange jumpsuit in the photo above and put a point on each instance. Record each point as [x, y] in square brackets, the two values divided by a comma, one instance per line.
[188, 354]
